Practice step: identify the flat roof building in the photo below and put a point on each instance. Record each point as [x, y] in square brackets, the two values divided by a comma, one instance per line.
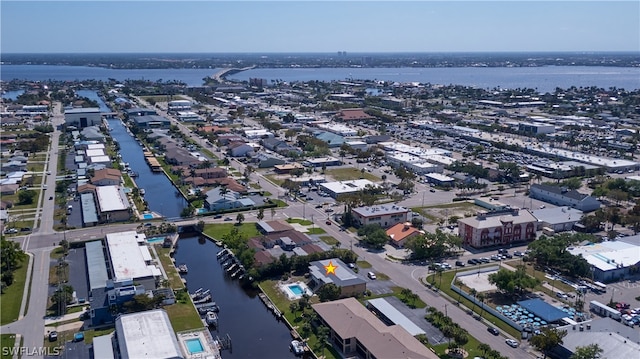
[113, 204]
[385, 215]
[147, 335]
[344, 278]
[611, 260]
[334, 189]
[130, 257]
[499, 227]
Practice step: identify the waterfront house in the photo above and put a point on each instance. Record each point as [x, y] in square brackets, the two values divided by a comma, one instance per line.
[219, 200]
[106, 177]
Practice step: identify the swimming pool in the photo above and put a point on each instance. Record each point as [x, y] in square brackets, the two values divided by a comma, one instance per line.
[155, 239]
[147, 216]
[194, 346]
[296, 289]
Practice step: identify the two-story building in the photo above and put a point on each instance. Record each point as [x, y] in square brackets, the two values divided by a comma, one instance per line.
[561, 196]
[497, 228]
[385, 215]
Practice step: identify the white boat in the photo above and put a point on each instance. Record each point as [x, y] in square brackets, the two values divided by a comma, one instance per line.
[297, 347]
[211, 319]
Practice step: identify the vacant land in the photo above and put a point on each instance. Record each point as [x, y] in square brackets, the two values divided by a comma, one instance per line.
[347, 174]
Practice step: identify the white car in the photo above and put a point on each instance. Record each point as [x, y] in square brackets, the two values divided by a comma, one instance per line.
[371, 275]
[512, 343]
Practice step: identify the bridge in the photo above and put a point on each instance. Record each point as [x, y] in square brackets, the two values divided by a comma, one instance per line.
[218, 76]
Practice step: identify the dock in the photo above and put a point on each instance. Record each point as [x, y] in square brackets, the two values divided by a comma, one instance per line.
[152, 161]
[267, 302]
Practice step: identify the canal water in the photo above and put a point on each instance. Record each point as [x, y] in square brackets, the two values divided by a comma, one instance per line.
[254, 331]
[160, 193]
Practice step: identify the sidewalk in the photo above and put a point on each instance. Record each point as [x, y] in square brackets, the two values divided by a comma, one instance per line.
[64, 318]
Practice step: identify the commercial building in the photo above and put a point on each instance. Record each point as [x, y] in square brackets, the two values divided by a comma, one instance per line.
[615, 339]
[130, 258]
[561, 196]
[335, 189]
[323, 161]
[611, 260]
[440, 179]
[385, 215]
[343, 277]
[179, 105]
[558, 219]
[83, 117]
[534, 128]
[113, 204]
[497, 228]
[147, 335]
[355, 331]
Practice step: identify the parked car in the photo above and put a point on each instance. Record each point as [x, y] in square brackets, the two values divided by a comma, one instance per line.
[328, 222]
[512, 343]
[371, 275]
[53, 336]
[493, 331]
[228, 219]
[460, 263]
[472, 261]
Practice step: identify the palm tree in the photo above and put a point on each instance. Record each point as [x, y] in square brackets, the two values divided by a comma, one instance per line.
[473, 293]
[260, 215]
[481, 298]
[484, 348]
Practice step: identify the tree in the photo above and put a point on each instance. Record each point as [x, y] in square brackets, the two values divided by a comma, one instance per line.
[591, 351]
[484, 348]
[473, 293]
[293, 307]
[240, 218]
[61, 298]
[26, 196]
[328, 292]
[548, 339]
[260, 214]
[200, 226]
[513, 282]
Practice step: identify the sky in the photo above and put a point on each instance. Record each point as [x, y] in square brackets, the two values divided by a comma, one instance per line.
[317, 26]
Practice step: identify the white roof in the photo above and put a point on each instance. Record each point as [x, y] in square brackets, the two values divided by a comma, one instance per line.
[94, 152]
[609, 255]
[439, 177]
[347, 186]
[100, 159]
[95, 146]
[147, 334]
[111, 198]
[129, 255]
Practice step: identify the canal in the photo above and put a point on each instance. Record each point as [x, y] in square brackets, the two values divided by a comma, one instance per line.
[160, 193]
[254, 331]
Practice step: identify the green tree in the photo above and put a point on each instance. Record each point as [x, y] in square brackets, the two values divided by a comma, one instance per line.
[328, 292]
[591, 351]
[484, 348]
[26, 196]
[513, 282]
[260, 214]
[548, 339]
[240, 218]
[61, 298]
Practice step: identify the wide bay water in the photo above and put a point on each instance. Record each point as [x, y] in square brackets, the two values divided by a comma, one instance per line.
[544, 79]
[254, 331]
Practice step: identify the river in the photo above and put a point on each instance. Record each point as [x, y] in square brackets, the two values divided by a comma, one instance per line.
[160, 193]
[543, 78]
[254, 331]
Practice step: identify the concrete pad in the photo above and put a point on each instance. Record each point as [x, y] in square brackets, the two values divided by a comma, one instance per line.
[478, 281]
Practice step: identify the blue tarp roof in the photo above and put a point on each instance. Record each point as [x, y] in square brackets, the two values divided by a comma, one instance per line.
[542, 309]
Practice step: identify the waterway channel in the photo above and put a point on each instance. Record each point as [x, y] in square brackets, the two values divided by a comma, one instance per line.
[160, 194]
[254, 331]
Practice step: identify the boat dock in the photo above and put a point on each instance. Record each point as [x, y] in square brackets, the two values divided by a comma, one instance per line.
[272, 307]
[152, 161]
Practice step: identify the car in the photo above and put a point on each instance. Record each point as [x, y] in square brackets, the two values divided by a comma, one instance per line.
[328, 222]
[217, 216]
[472, 261]
[11, 231]
[484, 260]
[329, 210]
[48, 172]
[493, 331]
[460, 263]
[25, 229]
[518, 254]
[432, 190]
[319, 206]
[53, 336]
[351, 265]
[507, 255]
[371, 275]
[228, 219]
[512, 343]
[50, 198]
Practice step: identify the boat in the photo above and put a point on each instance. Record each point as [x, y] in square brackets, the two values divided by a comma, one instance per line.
[297, 347]
[197, 292]
[142, 191]
[209, 307]
[205, 299]
[182, 269]
[211, 319]
[221, 253]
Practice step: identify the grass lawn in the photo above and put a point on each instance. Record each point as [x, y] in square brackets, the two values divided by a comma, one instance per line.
[219, 230]
[8, 341]
[300, 221]
[316, 230]
[275, 179]
[416, 303]
[346, 174]
[12, 297]
[280, 203]
[127, 180]
[471, 347]
[447, 278]
[269, 287]
[363, 264]
[13, 198]
[92, 333]
[183, 316]
[329, 240]
[175, 281]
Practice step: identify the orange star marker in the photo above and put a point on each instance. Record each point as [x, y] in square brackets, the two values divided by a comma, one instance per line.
[330, 268]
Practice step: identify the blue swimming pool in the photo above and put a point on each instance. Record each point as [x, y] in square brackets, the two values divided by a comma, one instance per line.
[194, 346]
[155, 240]
[296, 289]
[147, 216]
